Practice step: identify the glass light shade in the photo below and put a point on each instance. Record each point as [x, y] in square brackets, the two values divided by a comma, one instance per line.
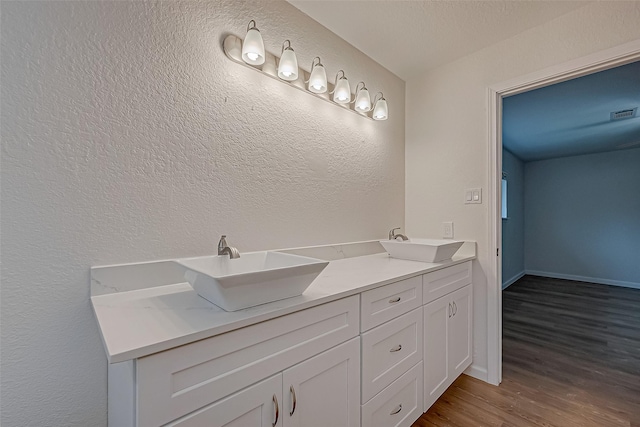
[318, 79]
[342, 92]
[363, 101]
[288, 67]
[380, 110]
[253, 48]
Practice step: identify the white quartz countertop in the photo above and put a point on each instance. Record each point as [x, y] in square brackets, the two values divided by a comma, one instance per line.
[137, 323]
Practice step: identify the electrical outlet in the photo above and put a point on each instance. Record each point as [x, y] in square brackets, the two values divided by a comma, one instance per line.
[447, 230]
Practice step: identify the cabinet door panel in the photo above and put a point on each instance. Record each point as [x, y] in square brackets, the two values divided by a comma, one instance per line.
[436, 354]
[460, 343]
[324, 390]
[254, 406]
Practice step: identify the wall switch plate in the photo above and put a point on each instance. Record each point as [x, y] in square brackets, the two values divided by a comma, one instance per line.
[447, 230]
[472, 195]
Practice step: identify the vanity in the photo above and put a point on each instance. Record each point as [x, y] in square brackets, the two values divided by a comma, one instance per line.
[374, 341]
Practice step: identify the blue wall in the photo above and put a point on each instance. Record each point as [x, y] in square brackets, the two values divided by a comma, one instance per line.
[583, 217]
[513, 227]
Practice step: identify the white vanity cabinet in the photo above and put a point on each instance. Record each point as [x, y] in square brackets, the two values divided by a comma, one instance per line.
[447, 330]
[175, 383]
[380, 357]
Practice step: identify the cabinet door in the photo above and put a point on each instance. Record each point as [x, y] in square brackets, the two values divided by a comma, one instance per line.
[436, 349]
[257, 406]
[324, 390]
[460, 343]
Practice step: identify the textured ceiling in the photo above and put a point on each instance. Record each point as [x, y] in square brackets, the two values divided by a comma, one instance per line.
[573, 117]
[411, 37]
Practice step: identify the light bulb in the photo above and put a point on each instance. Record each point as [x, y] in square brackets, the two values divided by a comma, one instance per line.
[288, 66]
[342, 90]
[253, 46]
[318, 77]
[380, 109]
[363, 100]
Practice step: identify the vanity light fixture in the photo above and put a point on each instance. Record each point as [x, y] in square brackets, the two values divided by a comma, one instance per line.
[288, 66]
[342, 90]
[363, 100]
[253, 46]
[251, 53]
[318, 78]
[380, 109]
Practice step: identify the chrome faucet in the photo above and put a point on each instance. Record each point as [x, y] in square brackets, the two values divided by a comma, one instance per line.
[394, 236]
[224, 249]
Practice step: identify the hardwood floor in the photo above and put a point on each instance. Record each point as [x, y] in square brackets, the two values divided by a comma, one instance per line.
[571, 358]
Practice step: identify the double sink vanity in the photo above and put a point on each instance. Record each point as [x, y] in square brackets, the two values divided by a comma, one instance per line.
[371, 340]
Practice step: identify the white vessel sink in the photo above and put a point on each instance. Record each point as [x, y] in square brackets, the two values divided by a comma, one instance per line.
[253, 279]
[425, 250]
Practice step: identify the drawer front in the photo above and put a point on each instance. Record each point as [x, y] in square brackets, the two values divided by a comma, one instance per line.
[445, 281]
[389, 350]
[387, 302]
[398, 405]
[178, 381]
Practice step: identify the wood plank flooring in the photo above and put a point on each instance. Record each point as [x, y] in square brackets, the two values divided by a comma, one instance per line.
[571, 358]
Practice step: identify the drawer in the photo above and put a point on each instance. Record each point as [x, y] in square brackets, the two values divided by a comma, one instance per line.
[389, 350]
[387, 302]
[176, 382]
[398, 405]
[445, 281]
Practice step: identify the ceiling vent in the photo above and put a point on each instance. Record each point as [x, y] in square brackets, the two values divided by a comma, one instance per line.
[624, 114]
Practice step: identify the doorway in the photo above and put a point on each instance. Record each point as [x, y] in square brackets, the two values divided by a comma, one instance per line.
[611, 58]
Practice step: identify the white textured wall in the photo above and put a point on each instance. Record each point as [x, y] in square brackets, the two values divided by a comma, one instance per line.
[128, 136]
[447, 142]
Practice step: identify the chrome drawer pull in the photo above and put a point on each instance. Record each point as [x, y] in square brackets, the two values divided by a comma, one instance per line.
[293, 400]
[396, 348]
[395, 411]
[275, 402]
[394, 300]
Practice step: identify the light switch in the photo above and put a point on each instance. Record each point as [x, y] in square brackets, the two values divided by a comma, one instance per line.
[473, 195]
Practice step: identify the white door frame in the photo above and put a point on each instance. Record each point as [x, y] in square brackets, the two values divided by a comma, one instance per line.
[609, 58]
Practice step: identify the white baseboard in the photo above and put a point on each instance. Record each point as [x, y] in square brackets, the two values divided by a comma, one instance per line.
[477, 372]
[621, 283]
[512, 280]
